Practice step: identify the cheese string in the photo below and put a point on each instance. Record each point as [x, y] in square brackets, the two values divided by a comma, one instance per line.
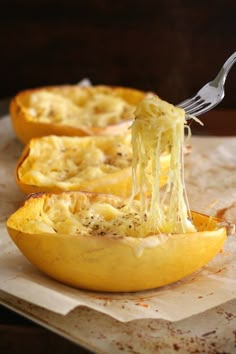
[157, 129]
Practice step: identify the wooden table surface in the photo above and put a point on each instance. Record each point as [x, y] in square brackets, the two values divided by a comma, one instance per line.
[19, 335]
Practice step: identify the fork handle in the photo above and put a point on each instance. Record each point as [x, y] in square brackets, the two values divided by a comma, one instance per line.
[221, 76]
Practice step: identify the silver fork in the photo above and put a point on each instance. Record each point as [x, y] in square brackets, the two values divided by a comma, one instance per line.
[211, 94]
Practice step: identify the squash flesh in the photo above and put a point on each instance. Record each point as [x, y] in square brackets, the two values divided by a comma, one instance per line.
[73, 111]
[94, 164]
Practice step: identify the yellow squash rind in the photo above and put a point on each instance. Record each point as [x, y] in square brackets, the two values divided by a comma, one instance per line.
[115, 264]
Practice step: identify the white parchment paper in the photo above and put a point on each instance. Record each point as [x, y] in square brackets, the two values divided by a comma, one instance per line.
[211, 185]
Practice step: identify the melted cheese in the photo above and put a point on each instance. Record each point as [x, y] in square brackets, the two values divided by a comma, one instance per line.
[66, 161]
[158, 127]
[95, 106]
[86, 215]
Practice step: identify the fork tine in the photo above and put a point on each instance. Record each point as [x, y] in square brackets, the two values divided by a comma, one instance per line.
[203, 107]
[185, 103]
[189, 102]
[194, 105]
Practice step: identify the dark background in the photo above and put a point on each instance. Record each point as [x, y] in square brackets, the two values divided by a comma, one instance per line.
[171, 47]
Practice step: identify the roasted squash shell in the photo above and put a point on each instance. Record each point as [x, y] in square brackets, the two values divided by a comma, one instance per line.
[53, 232]
[73, 110]
[100, 164]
